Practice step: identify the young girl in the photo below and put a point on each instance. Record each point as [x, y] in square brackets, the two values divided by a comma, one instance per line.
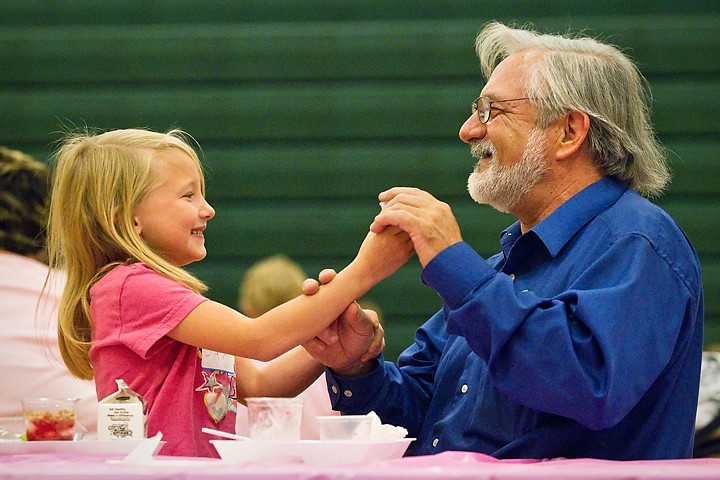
[127, 213]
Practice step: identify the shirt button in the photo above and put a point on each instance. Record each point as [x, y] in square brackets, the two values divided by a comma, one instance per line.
[464, 389]
[334, 389]
[435, 442]
[512, 276]
[347, 393]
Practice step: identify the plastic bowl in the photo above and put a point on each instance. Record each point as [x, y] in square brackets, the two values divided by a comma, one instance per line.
[354, 428]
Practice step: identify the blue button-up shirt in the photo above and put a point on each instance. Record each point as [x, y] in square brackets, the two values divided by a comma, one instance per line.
[582, 338]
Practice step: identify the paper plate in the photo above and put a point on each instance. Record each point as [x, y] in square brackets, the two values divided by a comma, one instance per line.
[107, 447]
[309, 451]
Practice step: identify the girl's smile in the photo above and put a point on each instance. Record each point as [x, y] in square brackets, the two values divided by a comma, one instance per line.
[173, 216]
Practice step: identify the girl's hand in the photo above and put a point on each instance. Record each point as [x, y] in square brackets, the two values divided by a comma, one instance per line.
[382, 254]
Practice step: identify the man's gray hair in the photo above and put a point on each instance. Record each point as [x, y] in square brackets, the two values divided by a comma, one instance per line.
[583, 74]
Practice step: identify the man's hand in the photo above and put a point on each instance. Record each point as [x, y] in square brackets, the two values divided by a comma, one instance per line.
[356, 336]
[311, 286]
[429, 222]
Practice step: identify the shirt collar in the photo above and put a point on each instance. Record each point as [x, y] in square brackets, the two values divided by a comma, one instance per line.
[555, 230]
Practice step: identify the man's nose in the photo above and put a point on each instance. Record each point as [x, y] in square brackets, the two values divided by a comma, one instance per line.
[472, 130]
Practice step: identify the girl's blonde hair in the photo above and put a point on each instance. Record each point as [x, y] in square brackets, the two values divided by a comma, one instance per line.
[99, 180]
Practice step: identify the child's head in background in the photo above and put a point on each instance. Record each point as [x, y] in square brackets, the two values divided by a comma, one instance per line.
[268, 283]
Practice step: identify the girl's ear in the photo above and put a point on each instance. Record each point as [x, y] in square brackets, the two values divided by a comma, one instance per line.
[136, 221]
[136, 225]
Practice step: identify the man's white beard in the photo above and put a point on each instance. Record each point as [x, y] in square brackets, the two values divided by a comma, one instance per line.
[503, 187]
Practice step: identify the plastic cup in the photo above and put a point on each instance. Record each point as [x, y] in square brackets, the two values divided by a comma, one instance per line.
[50, 418]
[12, 428]
[274, 419]
[354, 428]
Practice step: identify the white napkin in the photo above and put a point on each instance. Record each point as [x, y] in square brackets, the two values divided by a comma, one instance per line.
[145, 451]
[145, 454]
[380, 432]
[709, 396]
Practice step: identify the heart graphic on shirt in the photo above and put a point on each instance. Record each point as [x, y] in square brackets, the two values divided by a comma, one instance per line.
[217, 405]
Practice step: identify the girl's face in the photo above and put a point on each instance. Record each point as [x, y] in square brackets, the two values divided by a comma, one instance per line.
[174, 214]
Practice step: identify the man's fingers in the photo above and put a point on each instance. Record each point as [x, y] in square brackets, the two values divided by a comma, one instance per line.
[310, 286]
[328, 336]
[350, 313]
[315, 346]
[373, 317]
[377, 345]
[359, 320]
[327, 275]
[373, 351]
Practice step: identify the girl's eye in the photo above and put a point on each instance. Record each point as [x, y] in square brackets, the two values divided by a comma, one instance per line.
[189, 195]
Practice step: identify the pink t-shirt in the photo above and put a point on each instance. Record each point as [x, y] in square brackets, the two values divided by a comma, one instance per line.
[132, 309]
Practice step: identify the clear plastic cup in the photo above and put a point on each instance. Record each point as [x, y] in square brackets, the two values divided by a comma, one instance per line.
[354, 428]
[12, 428]
[274, 419]
[50, 418]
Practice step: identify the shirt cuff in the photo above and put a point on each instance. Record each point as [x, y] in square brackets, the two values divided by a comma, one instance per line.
[348, 393]
[455, 272]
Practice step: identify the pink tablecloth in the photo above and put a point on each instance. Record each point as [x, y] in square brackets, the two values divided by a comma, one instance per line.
[448, 465]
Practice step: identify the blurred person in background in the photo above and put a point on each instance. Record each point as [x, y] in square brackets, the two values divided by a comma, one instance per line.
[268, 283]
[30, 366]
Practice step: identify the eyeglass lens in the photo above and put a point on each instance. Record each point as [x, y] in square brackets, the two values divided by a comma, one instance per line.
[481, 105]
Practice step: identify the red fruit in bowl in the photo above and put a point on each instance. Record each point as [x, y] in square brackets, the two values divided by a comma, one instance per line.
[50, 426]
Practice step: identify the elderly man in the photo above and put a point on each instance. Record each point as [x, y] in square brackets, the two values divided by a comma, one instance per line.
[583, 336]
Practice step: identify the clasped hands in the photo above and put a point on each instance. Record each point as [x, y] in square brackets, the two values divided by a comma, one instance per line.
[356, 336]
[353, 339]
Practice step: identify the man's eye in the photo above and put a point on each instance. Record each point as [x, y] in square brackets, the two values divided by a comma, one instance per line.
[495, 111]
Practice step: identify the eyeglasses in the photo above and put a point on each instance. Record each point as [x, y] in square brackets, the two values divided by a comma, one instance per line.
[484, 105]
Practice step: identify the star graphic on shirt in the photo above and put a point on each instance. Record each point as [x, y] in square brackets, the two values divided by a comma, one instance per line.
[210, 383]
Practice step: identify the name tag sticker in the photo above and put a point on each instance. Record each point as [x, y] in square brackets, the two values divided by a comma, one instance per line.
[212, 360]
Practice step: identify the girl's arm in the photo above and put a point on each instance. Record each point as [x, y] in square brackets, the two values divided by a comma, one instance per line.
[217, 327]
[293, 372]
[286, 376]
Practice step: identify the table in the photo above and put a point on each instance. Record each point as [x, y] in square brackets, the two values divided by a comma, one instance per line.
[446, 465]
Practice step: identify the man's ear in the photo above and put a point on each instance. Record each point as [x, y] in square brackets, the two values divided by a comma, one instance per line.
[574, 129]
